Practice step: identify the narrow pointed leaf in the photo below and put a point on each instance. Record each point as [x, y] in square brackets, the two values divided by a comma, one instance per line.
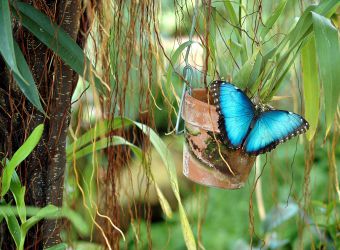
[12, 224]
[273, 18]
[171, 168]
[328, 54]
[104, 143]
[19, 156]
[311, 86]
[14, 58]
[19, 196]
[57, 40]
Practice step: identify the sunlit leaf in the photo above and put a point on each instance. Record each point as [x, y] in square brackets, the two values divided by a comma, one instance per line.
[171, 168]
[53, 212]
[163, 201]
[249, 72]
[100, 129]
[328, 54]
[12, 224]
[273, 18]
[19, 156]
[104, 143]
[311, 86]
[19, 196]
[174, 59]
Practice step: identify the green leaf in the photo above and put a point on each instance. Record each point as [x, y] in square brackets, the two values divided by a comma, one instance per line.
[235, 22]
[311, 86]
[54, 37]
[291, 44]
[49, 212]
[53, 212]
[165, 154]
[19, 156]
[60, 246]
[12, 224]
[19, 196]
[272, 19]
[174, 60]
[249, 72]
[100, 129]
[14, 58]
[328, 54]
[104, 143]
[163, 201]
[6, 41]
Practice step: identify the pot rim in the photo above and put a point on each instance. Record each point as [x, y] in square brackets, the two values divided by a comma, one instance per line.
[198, 112]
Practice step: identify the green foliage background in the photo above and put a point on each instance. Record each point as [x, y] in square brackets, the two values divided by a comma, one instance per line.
[273, 49]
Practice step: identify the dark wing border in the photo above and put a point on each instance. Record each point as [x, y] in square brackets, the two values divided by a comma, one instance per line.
[223, 136]
[299, 130]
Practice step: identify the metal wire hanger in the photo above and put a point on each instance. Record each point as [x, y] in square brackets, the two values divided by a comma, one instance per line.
[187, 73]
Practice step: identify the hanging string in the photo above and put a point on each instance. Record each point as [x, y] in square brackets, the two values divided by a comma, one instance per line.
[187, 71]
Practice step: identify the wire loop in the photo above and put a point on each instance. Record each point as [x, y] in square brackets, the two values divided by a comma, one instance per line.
[187, 73]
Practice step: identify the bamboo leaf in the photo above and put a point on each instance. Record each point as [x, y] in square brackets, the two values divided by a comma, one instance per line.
[53, 212]
[174, 60]
[273, 18]
[19, 196]
[6, 42]
[57, 40]
[235, 22]
[171, 168]
[12, 224]
[100, 129]
[104, 143]
[248, 74]
[311, 86]
[14, 58]
[163, 201]
[328, 54]
[291, 45]
[26, 82]
[19, 156]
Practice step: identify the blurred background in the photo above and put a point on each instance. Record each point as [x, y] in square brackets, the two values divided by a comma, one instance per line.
[294, 204]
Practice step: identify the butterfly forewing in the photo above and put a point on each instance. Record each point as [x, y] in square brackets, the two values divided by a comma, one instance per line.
[236, 112]
[272, 128]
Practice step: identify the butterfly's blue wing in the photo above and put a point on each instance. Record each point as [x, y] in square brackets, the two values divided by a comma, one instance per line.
[272, 128]
[236, 112]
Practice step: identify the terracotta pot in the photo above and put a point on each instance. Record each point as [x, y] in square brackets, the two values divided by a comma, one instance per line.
[202, 161]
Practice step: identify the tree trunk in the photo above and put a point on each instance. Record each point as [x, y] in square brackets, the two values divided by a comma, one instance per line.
[43, 171]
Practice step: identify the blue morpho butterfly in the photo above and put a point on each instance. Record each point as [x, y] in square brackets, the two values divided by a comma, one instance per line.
[256, 129]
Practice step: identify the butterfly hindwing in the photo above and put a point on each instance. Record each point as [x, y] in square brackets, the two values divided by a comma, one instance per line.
[272, 128]
[236, 112]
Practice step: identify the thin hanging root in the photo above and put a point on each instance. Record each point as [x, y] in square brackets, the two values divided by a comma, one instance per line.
[89, 211]
[111, 222]
[153, 99]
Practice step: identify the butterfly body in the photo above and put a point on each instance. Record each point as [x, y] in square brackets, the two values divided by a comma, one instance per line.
[256, 128]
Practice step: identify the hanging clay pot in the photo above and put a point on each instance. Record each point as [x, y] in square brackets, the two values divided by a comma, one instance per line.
[202, 161]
